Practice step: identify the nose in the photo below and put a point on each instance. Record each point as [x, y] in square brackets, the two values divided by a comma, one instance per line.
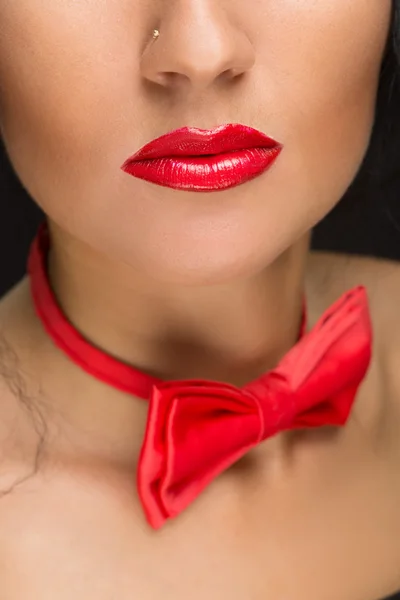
[198, 46]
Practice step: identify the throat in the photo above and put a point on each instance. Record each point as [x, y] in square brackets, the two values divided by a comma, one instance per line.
[231, 332]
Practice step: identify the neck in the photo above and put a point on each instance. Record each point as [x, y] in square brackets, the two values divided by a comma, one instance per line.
[231, 332]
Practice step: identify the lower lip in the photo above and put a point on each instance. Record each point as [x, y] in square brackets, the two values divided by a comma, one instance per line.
[205, 173]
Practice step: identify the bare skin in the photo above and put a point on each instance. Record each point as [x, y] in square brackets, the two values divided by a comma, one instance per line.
[191, 285]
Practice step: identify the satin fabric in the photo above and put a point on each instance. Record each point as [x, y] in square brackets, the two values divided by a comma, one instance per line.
[196, 429]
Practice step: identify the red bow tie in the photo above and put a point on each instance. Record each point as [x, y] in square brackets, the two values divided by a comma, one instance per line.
[197, 429]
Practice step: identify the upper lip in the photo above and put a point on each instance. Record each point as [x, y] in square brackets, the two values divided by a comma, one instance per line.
[191, 141]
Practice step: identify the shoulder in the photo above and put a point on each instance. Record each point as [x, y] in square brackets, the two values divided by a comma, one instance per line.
[21, 426]
[19, 419]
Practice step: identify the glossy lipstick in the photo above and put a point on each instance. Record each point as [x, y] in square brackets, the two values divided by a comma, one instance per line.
[201, 160]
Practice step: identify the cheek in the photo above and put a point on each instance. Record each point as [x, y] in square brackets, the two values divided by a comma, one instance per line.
[67, 86]
[325, 70]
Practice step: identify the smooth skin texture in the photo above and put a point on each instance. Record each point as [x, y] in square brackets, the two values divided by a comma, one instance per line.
[191, 285]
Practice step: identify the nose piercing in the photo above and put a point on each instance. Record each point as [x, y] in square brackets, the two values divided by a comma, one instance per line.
[156, 34]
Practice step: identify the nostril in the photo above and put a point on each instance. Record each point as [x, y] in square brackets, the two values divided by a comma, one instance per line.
[171, 79]
[231, 74]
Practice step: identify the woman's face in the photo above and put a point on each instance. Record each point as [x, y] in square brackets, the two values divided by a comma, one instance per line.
[83, 85]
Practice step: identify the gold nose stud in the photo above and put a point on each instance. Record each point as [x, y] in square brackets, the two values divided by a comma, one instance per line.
[156, 34]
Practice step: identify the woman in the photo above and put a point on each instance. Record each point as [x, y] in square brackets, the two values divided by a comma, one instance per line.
[192, 406]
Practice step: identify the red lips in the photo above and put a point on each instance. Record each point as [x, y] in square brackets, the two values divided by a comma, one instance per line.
[202, 160]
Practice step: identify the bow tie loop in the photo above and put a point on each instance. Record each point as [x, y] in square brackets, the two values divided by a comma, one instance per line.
[325, 368]
[195, 431]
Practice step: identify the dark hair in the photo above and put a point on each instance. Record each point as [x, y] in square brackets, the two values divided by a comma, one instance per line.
[379, 172]
[396, 28]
